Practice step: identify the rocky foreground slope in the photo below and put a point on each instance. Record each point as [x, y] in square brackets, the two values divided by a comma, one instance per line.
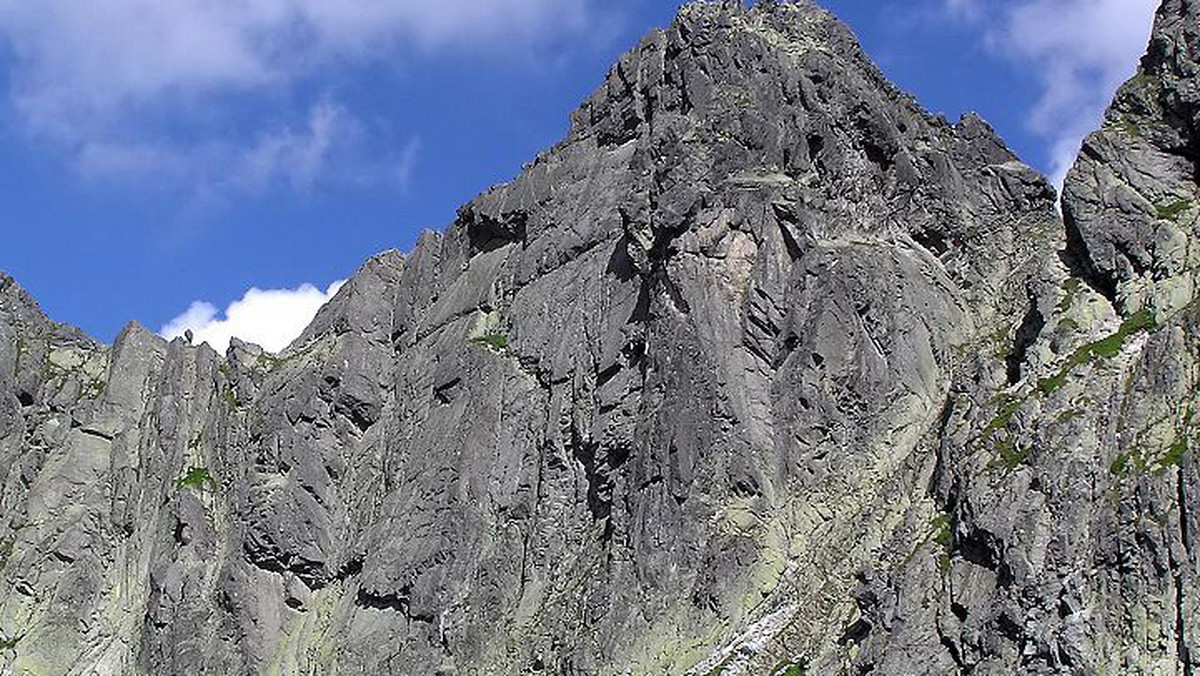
[761, 370]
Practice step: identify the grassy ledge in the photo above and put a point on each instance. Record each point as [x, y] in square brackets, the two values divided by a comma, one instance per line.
[1172, 211]
[1102, 349]
[1010, 454]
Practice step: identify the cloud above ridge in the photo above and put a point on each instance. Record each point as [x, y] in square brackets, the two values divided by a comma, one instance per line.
[271, 318]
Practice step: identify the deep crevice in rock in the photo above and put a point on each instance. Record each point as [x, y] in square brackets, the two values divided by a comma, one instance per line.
[932, 241]
[1027, 334]
[855, 633]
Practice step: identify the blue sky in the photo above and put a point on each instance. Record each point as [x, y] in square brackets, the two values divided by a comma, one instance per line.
[160, 160]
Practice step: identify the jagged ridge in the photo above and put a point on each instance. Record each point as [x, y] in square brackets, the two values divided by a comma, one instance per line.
[711, 387]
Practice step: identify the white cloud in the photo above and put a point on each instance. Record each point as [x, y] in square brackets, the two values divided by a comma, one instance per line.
[407, 162]
[272, 318]
[1079, 51]
[297, 157]
[92, 77]
[330, 146]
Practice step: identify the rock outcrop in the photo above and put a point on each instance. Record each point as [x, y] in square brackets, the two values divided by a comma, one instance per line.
[762, 369]
[1068, 539]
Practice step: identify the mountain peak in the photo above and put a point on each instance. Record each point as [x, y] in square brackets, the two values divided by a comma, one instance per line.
[1132, 199]
[762, 369]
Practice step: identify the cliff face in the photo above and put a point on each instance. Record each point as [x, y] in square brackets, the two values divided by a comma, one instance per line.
[1071, 495]
[762, 366]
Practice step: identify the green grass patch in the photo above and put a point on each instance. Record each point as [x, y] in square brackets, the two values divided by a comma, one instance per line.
[1136, 462]
[1001, 342]
[943, 535]
[1120, 465]
[1127, 463]
[1101, 349]
[1047, 386]
[1170, 212]
[495, 341]
[1011, 455]
[1175, 454]
[1067, 325]
[790, 668]
[1145, 84]
[1007, 410]
[198, 478]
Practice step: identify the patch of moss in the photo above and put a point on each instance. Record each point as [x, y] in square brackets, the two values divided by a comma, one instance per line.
[1127, 463]
[270, 362]
[790, 668]
[1047, 386]
[495, 341]
[9, 644]
[1119, 465]
[1067, 416]
[198, 478]
[1007, 410]
[1011, 455]
[1175, 454]
[943, 535]
[1101, 349]
[1170, 212]
[1071, 289]
[1145, 84]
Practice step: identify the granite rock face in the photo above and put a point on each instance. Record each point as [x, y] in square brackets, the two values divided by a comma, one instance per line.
[761, 369]
[1069, 498]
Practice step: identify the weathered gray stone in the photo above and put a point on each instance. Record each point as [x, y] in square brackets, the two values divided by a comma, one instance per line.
[761, 366]
[1067, 543]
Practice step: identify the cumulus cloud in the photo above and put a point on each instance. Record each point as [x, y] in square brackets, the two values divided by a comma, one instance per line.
[272, 318]
[1079, 51]
[93, 77]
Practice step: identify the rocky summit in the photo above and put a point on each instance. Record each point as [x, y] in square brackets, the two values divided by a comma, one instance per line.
[761, 370]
